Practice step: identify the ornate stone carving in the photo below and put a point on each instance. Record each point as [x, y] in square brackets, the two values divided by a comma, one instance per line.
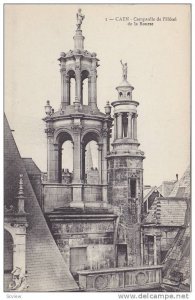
[19, 282]
[141, 278]
[104, 132]
[77, 129]
[9, 209]
[49, 131]
[101, 282]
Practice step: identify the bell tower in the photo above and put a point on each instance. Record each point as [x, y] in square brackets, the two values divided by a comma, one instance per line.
[125, 169]
[80, 65]
[78, 123]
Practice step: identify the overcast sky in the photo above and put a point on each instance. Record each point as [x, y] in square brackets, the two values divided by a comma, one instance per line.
[158, 67]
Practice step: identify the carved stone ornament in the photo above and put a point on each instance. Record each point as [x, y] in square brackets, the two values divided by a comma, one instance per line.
[49, 131]
[141, 278]
[77, 129]
[104, 132]
[101, 282]
[19, 282]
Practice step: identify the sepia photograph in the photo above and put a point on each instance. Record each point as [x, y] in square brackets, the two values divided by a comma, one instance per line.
[97, 142]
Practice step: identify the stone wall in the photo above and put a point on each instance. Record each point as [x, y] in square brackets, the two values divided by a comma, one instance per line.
[96, 236]
[55, 196]
[120, 170]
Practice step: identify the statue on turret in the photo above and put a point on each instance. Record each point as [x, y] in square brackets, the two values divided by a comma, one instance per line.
[124, 68]
[80, 18]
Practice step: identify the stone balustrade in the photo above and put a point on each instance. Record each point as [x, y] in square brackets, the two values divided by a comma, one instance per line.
[121, 279]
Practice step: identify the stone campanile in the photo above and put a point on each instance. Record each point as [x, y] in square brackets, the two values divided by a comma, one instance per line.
[79, 123]
[125, 169]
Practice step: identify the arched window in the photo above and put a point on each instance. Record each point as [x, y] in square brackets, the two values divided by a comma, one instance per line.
[65, 157]
[85, 87]
[8, 252]
[72, 91]
[67, 162]
[91, 163]
[91, 159]
[72, 86]
[125, 124]
[85, 90]
[120, 94]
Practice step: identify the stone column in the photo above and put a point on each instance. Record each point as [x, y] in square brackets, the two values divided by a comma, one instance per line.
[120, 128]
[57, 168]
[65, 90]
[77, 154]
[60, 149]
[89, 90]
[52, 170]
[155, 251]
[100, 161]
[77, 85]
[115, 126]
[135, 127]
[104, 166]
[142, 248]
[19, 247]
[93, 89]
[130, 125]
[76, 183]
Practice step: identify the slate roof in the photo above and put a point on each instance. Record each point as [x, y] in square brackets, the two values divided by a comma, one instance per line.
[46, 268]
[177, 262]
[148, 191]
[31, 167]
[167, 212]
[183, 186]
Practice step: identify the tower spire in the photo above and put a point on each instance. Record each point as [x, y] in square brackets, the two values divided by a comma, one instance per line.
[79, 38]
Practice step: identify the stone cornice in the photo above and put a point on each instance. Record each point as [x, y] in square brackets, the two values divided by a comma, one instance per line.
[121, 102]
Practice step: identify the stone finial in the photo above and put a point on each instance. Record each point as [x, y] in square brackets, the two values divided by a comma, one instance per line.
[19, 282]
[107, 108]
[124, 69]
[48, 108]
[80, 18]
[20, 196]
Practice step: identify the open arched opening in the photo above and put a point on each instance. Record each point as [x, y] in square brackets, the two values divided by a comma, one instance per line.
[65, 157]
[91, 163]
[72, 87]
[67, 162]
[85, 88]
[8, 252]
[91, 159]
[125, 124]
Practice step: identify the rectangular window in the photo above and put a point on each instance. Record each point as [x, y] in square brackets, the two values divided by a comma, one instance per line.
[78, 259]
[133, 188]
[121, 255]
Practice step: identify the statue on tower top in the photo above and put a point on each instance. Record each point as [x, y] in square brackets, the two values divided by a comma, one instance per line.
[124, 68]
[80, 18]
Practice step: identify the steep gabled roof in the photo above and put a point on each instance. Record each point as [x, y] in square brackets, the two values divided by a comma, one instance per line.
[46, 268]
[30, 166]
[148, 192]
[182, 187]
[177, 262]
[167, 212]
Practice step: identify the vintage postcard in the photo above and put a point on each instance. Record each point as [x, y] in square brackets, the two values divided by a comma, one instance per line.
[97, 194]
